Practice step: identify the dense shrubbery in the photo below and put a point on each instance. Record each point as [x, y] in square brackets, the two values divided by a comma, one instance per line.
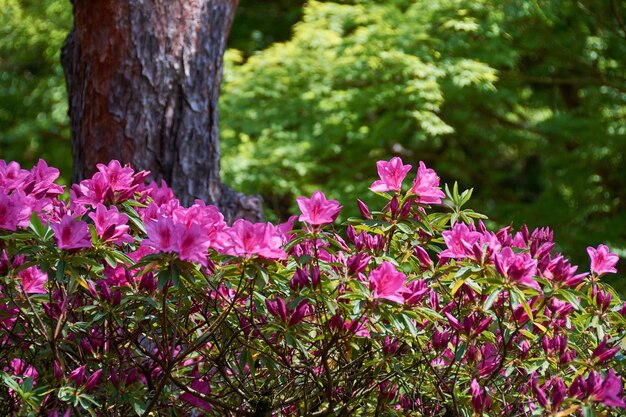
[122, 302]
[522, 99]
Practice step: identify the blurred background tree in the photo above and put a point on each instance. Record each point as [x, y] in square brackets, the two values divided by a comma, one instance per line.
[524, 100]
[33, 98]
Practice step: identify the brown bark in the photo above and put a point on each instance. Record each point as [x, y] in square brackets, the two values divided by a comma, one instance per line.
[143, 80]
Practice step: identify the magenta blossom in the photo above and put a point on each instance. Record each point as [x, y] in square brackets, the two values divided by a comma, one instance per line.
[33, 280]
[201, 386]
[426, 186]
[603, 261]
[317, 210]
[460, 241]
[111, 224]
[388, 283]
[14, 211]
[279, 310]
[247, 239]
[519, 268]
[391, 175]
[607, 391]
[71, 234]
[190, 243]
[480, 396]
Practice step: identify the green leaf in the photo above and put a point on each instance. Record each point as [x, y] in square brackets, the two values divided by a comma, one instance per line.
[36, 225]
[567, 295]
[492, 298]
[163, 278]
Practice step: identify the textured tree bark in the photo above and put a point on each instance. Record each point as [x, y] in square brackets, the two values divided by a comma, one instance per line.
[143, 79]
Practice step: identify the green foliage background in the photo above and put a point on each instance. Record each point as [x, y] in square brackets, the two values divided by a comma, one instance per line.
[524, 100]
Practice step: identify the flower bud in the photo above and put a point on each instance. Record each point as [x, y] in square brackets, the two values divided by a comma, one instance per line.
[92, 381]
[78, 375]
[394, 205]
[58, 372]
[117, 298]
[365, 211]
[422, 256]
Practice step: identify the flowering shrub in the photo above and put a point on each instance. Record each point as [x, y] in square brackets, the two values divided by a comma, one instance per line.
[122, 302]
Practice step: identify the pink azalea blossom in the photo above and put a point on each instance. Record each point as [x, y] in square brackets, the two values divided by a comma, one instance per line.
[190, 243]
[460, 241]
[33, 280]
[91, 191]
[279, 310]
[391, 175]
[388, 283]
[118, 178]
[111, 224]
[519, 268]
[161, 235]
[42, 179]
[71, 234]
[14, 211]
[426, 186]
[480, 396]
[12, 175]
[202, 387]
[247, 239]
[159, 194]
[607, 390]
[317, 210]
[559, 270]
[603, 261]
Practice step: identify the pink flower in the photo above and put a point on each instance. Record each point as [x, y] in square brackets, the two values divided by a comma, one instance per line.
[480, 397]
[192, 244]
[559, 270]
[42, 178]
[12, 175]
[14, 211]
[603, 353]
[119, 178]
[111, 224]
[391, 175]
[460, 241]
[519, 268]
[607, 391]
[160, 195]
[202, 387]
[161, 235]
[246, 239]
[603, 261]
[388, 283]
[33, 280]
[317, 210]
[426, 186]
[71, 234]
[279, 310]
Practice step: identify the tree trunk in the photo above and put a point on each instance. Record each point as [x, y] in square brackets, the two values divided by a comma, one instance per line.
[143, 79]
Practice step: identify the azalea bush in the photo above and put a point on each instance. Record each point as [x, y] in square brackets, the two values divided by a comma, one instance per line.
[122, 302]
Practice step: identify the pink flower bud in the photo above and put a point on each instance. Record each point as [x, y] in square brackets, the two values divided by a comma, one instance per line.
[365, 211]
[58, 372]
[422, 256]
[92, 381]
[299, 313]
[394, 205]
[117, 298]
[78, 375]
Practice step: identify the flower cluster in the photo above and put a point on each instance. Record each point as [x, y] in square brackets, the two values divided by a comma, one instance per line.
[123, 301]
